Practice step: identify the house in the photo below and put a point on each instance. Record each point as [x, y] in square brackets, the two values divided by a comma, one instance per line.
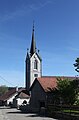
[22, 98]
[7, 98]
[41, 91]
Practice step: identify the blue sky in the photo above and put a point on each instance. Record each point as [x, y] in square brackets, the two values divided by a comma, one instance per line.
[56, 35]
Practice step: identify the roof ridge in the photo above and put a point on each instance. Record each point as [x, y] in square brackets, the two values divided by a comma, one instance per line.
[60, 76]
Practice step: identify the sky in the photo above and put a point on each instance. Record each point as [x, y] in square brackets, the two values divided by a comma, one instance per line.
[56, 35]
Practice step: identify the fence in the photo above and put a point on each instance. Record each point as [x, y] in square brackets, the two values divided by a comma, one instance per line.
[63, 111]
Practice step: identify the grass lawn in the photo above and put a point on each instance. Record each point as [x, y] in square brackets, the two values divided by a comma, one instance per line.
[71, 111]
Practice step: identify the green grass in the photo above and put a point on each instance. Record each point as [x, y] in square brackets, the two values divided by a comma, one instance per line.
[70, 111]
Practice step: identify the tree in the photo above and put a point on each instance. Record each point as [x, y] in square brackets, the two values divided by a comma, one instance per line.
[53, 96]
[3, 89]
[67, 90]
[77, 64]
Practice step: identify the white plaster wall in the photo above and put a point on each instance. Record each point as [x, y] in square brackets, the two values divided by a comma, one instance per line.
[20, 101]
[11, 99]
[34, 71]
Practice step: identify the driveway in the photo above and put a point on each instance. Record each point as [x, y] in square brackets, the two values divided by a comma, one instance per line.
[14, 114]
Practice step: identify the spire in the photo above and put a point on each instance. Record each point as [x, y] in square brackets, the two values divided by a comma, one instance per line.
[33, 45]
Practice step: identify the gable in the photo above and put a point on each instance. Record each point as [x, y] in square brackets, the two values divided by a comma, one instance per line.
[23, 94]
[35, 56]
[44, 83]
[36, 86]
[37, 92]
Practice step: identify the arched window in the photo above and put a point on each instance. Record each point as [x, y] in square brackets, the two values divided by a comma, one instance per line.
[35, 64]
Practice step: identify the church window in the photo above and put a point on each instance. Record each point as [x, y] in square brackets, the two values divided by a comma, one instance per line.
[35, 64]
[35, 75]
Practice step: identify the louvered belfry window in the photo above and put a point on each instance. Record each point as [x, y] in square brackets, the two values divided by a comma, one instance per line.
[35, 64]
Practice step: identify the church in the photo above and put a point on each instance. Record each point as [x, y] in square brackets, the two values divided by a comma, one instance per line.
[38, 85]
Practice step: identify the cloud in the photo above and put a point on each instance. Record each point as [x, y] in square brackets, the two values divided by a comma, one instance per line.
[23, 10]
[40, 5]
[11, 15]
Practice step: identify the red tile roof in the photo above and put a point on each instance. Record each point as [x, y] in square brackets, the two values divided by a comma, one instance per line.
[23, 94]
[47, 82]
[8, 94]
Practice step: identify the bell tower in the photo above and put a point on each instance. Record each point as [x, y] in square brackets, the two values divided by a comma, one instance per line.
[33, 63]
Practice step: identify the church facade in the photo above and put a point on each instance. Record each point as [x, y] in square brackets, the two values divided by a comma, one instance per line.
[33, 63]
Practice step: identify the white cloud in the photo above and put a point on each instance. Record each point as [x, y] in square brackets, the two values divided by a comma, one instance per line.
[23, 10]
[40, 5]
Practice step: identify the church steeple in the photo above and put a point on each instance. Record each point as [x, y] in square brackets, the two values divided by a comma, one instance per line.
[33, 62]
[33, 44]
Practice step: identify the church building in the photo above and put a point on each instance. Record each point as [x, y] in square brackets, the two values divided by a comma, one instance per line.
[39, 86]
[33, 63]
